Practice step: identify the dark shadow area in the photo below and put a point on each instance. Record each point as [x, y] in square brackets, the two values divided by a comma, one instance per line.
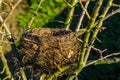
[101, 72]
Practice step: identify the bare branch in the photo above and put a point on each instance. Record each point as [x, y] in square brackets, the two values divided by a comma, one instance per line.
[4, 21]
[70, 14]
[7, 42]
[109, 15]
[112, 13]
[84, 8]
[2, 33]
[68, 3]
[62, 22]
[5, 27]
[115, 5]
[110, 55]
[82, 16]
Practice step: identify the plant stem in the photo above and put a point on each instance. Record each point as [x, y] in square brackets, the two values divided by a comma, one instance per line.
[70, 14]
[90, 25]
[23, 75]
[5, 64]
[62, 69]
[43, 76]
[97, 28]
[10, 13]
[110, 14]
[89, 28]
[82, 16]
[105, 60]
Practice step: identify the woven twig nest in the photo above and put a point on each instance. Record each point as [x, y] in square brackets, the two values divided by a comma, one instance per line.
[49, 48]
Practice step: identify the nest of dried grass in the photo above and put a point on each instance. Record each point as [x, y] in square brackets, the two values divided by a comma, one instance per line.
[49, 48]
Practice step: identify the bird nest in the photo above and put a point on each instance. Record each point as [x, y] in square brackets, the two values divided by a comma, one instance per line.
[49, 48]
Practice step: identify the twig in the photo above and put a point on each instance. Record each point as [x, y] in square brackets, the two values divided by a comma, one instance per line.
[0, 2]
[112, 13]
[61, 70]
[70, 14]
[100, 51]
[43, 76]
[5, 27]
[23, 75]
[91, 62]
[7, 42]
[83, 49]
[10, 39]
[35, 14]
[82, 16]
[5, 64]
[109, 15]
[108, 6]
[110, 55]
[2, 33]
[115, 5]
[84, 8]
[62, 22]
[57, 73]
[68, 4]
[4, 21]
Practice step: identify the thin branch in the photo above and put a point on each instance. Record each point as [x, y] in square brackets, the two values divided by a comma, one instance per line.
[23, 75]
[68, 4]
[7, 17]
[110, 14]
[61, 70]
[2, 33]
[5, 27]
[10, 38]
[115, 5]
[57, 73]
[104, 60]
[70, 14]
[35, 14]
[11, 41]
[82, 16]
[100, 51]
[5, 64]
[62, 22]
[108, 6]
[84, 8]
[110, 55]
[6, 42]
[90, 25]
[43, 76]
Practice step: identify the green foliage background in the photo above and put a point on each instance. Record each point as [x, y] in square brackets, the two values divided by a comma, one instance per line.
[47, 12]
[110, 38]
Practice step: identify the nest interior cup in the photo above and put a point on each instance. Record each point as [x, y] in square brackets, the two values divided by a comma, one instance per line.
[49, 48]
